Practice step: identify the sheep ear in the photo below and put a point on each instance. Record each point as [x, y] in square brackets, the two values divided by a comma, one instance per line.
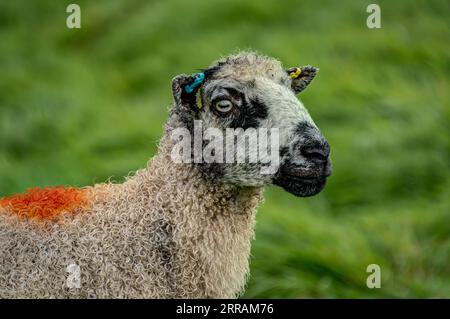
[185, 88]
[301, 77]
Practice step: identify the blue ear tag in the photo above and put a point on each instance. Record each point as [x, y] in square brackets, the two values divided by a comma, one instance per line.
[198, 79]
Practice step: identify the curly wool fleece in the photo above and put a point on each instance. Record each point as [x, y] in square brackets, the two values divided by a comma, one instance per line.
[164, 233]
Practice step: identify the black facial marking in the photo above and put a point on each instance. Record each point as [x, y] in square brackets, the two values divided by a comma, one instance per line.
[235, 93]
[250, 114]
[298, 187]
[212, 170]
[303, 128]
[284, 151]
[303, 179]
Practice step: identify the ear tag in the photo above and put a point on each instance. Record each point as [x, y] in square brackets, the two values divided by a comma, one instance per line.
[199, 100]
[295, 74]
[198, 79]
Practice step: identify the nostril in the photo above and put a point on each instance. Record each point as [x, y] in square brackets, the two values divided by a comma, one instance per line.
[315, 155]
[316, 151]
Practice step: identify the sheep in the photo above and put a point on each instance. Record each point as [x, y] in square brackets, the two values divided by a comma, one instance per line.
[171, 230]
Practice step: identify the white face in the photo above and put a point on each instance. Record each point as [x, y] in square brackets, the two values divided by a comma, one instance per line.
[268, 104]
[254, 94]
[285, 110]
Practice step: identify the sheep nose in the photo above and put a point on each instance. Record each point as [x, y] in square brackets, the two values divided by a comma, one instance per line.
[316, 149]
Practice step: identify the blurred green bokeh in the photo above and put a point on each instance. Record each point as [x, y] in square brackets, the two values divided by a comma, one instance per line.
[80, 106]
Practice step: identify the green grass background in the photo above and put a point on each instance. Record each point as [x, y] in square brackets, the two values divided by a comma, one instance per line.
[80, 106]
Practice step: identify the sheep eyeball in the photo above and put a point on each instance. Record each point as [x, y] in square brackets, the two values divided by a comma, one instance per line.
[223, 106]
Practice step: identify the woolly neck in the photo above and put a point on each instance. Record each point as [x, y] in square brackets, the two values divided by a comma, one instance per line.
[189, 175]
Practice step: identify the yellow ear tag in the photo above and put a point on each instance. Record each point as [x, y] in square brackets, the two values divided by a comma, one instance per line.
[198, 99]
[296, 73]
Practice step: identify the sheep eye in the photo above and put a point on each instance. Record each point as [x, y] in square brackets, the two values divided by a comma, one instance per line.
[223, 106]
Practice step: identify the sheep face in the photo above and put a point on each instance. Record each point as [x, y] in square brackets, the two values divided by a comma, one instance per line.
[246, 107]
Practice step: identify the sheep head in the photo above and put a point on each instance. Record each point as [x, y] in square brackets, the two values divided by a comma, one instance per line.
[253, 98]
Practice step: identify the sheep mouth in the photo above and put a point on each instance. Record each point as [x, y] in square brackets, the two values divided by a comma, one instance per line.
[301, 185]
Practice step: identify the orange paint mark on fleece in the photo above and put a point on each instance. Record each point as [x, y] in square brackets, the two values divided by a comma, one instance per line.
[45, 203]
